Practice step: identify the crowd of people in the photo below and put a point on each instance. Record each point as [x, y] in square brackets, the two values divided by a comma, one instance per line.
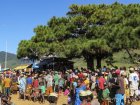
[105, 86]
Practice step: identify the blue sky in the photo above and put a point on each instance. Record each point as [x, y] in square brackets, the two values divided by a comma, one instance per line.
[18, 18]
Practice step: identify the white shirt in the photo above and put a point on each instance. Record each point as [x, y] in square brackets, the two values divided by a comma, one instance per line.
[134, 79]
[49, 80]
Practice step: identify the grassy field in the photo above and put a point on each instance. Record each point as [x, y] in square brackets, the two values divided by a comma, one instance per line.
[120, 58]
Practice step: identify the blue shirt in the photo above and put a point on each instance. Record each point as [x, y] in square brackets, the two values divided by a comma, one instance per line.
[29, 80]
[77, 100]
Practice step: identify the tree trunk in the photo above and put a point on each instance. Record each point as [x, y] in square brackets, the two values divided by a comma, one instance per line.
[98, 62]
[129, 54]
[89, 59]
[90, 62]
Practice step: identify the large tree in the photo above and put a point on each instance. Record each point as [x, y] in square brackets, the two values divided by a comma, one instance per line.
[92, 31]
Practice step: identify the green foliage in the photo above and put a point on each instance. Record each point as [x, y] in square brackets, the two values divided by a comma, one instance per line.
[91, 31]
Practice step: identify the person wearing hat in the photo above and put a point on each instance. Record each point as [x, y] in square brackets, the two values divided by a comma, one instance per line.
[134, 82]
[119, 96]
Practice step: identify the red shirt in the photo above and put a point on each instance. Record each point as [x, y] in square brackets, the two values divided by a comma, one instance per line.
[101, 81]
[80, 75]
[35, 84]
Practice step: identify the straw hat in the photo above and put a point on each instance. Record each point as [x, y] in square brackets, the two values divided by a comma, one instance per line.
[82, 93]
[131, 69]
[53, 94]
[88, 92]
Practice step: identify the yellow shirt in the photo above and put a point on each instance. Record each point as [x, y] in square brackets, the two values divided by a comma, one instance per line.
[87, 82]
[7, 82]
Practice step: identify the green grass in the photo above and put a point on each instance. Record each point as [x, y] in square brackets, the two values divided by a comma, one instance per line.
[121, 59]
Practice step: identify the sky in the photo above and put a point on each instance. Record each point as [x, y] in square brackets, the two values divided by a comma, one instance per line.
[18, 18]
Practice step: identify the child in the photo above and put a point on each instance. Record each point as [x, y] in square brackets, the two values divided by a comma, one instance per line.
[67, 93]
[35, 94]
[28, 93]
[60, 91]
[105, 95]
[42, 91]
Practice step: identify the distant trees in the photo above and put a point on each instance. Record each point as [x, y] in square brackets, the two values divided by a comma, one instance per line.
[92, 31]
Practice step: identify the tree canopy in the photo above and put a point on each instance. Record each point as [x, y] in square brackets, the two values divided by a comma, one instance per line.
[92, 31]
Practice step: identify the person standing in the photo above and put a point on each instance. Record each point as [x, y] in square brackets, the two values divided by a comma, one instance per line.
[49, 81]
[79, 88]
[134, 82]
[101, 82]
[56, 80]
[29, 81]
[120, 91]
[22, 86]
[7, 85]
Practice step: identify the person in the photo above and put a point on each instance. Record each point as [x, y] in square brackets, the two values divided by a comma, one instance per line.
[101, 82]
[29, 81]
[93, 81]
[134, 82]
[119, 96]
[7, 85]
[42, 91]
[61, 82]
[49, 81]
[56, 80]
[67, 91]
[35, 94]
[86, 81]
[106, 93]
[79, 88]
[126, 84]
[22, 86]
[35, 83]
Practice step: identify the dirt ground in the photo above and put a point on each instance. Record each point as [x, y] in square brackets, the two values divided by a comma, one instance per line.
[60, 101]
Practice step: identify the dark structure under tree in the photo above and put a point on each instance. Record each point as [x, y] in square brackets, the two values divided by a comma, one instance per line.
[55, 63]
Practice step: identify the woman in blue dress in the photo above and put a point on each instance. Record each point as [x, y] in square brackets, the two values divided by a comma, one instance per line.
[80, 87]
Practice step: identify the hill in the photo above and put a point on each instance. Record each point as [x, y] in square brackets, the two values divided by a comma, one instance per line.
[12, 60]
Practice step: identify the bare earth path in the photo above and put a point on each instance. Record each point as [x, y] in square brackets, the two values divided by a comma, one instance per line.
[26, 102]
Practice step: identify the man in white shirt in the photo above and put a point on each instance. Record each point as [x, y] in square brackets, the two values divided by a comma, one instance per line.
[134, 82]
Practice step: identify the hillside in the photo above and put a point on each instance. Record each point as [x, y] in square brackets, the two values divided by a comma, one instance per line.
[121, 59]
[12, 60]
